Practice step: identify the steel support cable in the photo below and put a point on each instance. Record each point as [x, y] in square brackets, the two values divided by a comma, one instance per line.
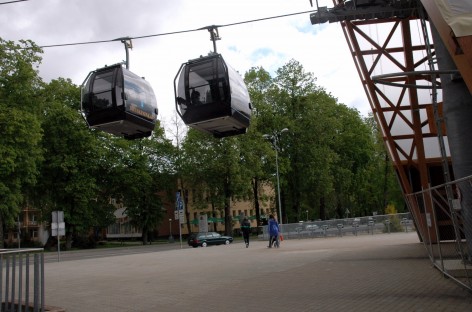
[173, 32]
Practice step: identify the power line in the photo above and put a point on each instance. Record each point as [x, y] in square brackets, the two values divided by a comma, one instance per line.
[173, 32]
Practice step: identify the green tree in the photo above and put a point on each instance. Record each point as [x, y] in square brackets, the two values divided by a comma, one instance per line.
[353, 146]
[326, 150]
[20, 152]
[214, 169]
[253, 146]
[178, 130]
[386, 192]
[144, 178]
[71, 164]
[301, 106]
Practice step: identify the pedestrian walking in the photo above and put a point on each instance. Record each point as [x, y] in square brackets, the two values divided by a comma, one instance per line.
[246, 229]
[273, 232]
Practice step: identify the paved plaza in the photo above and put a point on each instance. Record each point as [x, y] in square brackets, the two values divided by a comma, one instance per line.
[385, 272]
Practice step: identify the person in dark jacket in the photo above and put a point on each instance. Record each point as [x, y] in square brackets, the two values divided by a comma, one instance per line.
[246, 229]
[273, 232]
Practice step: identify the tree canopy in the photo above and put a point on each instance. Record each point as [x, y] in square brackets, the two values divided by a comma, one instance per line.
[331, 161]
[20, 126]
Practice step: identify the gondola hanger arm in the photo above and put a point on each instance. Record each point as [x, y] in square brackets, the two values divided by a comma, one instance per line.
[128, 45]
[214, 35]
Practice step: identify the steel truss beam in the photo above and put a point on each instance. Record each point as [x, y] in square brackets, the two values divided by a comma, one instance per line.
[402, 104]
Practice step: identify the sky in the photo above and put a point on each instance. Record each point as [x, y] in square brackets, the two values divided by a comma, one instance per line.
[321, 49]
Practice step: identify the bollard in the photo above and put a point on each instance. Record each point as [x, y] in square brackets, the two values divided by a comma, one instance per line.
[371, 224]
[325, 228]
[405, 224]
[387, 223]
[355, 225]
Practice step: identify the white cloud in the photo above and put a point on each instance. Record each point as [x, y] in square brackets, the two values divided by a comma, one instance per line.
[321, 49]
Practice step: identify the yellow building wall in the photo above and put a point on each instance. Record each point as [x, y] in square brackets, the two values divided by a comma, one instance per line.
[238, 208]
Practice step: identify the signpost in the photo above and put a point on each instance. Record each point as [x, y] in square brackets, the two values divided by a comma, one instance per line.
[58, 228]
[179, 213]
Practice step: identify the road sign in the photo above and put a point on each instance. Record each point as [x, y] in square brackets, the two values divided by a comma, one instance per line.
[179, 204]
[58, 227]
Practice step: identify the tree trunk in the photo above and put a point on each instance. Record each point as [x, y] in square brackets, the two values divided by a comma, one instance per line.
[228, 217]
[68, 239]
[255, 189]
[322, 208]
[145, 235]
[213, 214]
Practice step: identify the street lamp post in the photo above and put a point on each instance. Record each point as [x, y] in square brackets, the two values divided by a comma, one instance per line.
[274, 138]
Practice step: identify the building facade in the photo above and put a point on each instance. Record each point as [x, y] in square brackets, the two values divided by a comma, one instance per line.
[171, 226]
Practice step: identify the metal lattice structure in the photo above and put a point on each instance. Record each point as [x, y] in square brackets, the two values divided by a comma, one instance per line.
[391, 45]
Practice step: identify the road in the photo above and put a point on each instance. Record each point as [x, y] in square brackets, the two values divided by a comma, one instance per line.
[54, 256]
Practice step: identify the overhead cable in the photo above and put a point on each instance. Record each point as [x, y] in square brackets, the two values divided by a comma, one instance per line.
[173, 32]
[9, 2]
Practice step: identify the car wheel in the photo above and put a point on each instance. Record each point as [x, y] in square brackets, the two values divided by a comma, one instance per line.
[204, 244]
[227, 242]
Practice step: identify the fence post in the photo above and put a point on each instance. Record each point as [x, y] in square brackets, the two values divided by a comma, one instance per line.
[405, 224]
[340, 229]
[371, 225]
[20, 282]
[36, 284]
[387, 223]
[325, 229]
[7, 282]
[1, 281]
[355, 225]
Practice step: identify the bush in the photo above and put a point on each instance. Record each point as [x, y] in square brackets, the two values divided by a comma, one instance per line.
[84, 242]
[395, 225]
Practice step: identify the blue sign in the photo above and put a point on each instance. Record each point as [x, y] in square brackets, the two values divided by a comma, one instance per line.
[179, 205]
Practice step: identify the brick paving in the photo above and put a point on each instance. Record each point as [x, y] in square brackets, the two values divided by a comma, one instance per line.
[385, 272]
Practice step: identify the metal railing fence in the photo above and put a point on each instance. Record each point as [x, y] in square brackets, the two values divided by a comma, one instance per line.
[18, 284]
[442, 222]
[348, 226]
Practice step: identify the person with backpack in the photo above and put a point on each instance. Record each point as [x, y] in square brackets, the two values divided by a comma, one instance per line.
[273, 232]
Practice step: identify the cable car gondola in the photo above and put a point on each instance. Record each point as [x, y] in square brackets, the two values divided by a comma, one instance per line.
[119, 102]
[211, 96]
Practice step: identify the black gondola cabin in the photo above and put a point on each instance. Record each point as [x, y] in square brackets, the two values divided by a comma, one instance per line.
[119, 102]
[212, 97]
